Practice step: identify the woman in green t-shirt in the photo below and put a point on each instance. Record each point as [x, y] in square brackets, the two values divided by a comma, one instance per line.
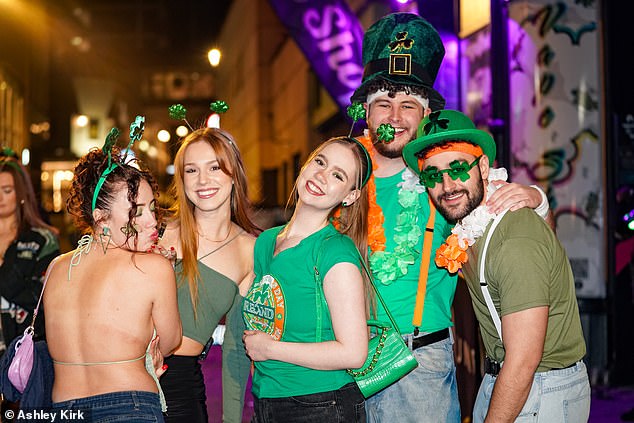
[300, 344]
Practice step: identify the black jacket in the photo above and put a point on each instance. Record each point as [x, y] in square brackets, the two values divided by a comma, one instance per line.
[21, 277]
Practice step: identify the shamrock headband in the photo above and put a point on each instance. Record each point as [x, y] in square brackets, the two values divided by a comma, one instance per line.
[356, 111]
[136, 132]
[179, 112]
[6, 156]
[368, 160]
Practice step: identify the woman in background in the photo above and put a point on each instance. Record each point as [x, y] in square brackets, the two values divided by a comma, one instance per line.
[301, 344]
[212, 234]
[27, 246]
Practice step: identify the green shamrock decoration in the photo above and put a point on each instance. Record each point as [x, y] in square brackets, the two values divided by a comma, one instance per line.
[8, 152]
[136, 130]
[177, 111]
[402, 42]
[356, 111]
[219, 106]
[435, 123]
[111, 140]
[385, 133]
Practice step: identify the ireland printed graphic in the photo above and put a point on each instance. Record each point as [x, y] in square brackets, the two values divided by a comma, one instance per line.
[263, 307]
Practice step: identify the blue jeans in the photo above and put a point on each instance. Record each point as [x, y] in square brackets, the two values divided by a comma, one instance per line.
[428, 394]
[561, 396]
[343, 405]
[127, 406]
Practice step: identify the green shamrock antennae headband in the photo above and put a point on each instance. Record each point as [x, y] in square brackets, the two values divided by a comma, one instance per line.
[179, 112]
[356, 111]
[136, 132]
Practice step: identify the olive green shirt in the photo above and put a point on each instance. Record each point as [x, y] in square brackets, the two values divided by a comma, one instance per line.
[527, 267]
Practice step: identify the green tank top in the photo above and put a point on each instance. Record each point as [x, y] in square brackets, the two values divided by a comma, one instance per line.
[216, 295]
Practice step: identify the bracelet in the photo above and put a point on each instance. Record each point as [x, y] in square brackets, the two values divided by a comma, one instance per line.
[542, 209]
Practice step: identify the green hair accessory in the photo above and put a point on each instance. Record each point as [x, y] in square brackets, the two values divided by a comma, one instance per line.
[385, 133]
[179, 112]
[355, 111]
[6, 154]
[136, 132]
[219, 106]
[368, 160]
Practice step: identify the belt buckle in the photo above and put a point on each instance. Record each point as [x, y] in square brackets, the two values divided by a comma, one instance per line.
[491, 367]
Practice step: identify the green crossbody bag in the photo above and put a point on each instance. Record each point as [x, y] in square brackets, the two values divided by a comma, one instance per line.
[389, 358]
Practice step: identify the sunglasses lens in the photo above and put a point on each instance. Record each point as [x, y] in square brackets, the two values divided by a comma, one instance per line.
[457, 170]
[430, 176]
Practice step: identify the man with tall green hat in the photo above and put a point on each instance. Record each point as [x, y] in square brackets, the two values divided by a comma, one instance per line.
[519, 277]
[402, 54]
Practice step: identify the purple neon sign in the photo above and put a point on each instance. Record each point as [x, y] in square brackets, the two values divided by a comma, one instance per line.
[330, 37]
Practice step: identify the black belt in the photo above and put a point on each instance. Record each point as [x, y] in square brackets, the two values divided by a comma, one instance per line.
[492, 367]
[430, 338]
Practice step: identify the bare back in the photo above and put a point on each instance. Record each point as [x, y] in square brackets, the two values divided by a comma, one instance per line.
[106, 312]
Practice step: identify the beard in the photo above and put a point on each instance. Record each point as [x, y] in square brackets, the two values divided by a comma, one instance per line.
[390, 150]
[456, 213]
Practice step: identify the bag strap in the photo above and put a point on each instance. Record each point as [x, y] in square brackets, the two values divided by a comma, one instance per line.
[483, 283]
[423, 274]
[378, 294]
[39, 301]
[320, 298]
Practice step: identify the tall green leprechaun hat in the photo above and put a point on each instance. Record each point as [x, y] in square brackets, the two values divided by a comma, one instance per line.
[404, 49]
[445, 126]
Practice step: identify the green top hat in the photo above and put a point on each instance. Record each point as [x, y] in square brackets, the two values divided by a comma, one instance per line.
[444, 126]
[404, 49]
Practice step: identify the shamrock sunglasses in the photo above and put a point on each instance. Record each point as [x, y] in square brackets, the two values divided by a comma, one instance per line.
[458, 169]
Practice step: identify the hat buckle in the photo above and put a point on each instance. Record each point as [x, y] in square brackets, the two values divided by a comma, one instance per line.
[400, 64]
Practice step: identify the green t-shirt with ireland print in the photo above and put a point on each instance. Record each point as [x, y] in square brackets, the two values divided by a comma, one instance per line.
[400, 294]
[283, 303]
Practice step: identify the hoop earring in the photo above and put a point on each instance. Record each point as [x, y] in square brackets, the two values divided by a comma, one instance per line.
[104, 238]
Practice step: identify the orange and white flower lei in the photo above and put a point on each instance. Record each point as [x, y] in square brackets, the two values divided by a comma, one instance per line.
[453, 253]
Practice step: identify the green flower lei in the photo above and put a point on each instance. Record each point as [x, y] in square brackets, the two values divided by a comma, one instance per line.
[388, 266]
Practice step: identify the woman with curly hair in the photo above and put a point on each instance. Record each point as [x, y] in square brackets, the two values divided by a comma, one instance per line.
[27, 246]
[104, 300]
[212, 234]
